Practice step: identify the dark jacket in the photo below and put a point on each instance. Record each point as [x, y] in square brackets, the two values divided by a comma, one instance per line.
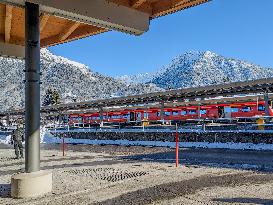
[18, 135]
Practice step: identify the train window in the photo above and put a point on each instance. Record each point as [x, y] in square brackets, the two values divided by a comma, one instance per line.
[158, 114]
[227, 109]
[138, 115]
[192, 112]
[146, 115]
[203, 112]
[175, 113]
[261, 108]
[167, 113]
[246, 109]
[126, 116]
[184, 112]
[234, 109]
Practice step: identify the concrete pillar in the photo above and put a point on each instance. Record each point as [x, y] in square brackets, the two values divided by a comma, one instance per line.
[32, 87]
[198, 111]
[162, 112]
[34, 182]
[8, 120]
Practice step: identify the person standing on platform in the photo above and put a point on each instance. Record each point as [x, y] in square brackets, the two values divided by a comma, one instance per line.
[17, 140]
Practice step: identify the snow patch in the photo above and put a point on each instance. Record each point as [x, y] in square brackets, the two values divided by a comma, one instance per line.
[5, 139]
[218, 145]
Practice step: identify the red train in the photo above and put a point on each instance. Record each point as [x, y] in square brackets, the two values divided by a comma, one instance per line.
[183, 113]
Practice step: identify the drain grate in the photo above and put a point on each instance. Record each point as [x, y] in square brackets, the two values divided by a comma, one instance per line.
[107, 174]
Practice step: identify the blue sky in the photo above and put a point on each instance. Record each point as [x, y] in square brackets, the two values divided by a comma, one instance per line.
[234, 28]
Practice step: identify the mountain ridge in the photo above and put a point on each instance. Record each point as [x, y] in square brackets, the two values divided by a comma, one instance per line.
[201, 68]
[74, 81]
[77, 82]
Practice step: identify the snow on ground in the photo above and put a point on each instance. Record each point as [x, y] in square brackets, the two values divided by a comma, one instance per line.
[216, 145]
[5, 139]
[48, 138]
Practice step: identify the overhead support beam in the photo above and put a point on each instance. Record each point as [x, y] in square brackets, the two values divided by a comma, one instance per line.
[8, 19]
[43, 21]
[11, 50]
[67, 32]
[54, 40]
[101, 13]
[137, 3]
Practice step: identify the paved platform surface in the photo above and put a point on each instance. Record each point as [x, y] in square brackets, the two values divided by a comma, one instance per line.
[92, 174]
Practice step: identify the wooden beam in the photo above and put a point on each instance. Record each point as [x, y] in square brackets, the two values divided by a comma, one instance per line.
[101, 13]
[12, 51]
[43, 20]
[166, 7]
[8, 20]
[66, 33]
[54, 40]
[137, 3]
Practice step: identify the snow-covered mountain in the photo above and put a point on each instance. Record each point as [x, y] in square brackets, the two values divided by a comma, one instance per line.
[199, 69]
[75, 81]
[71, 79]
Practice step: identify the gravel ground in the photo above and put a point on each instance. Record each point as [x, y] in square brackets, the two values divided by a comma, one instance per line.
[115, 175]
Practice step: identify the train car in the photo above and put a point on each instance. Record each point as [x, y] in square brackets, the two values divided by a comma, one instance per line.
[183, 113]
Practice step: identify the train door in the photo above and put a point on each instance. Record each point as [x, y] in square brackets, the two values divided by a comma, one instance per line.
[227, 112]
[132, 117]
[221, 113]
[138, 116]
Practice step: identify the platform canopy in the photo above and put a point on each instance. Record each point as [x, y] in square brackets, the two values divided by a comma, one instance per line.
[28, 25]
[67, 20]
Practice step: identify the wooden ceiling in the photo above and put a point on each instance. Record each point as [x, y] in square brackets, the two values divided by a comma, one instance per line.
[56, 30]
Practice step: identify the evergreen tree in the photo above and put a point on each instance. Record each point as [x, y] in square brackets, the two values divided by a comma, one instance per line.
[48, 97]
[55, 97]
[52, 97]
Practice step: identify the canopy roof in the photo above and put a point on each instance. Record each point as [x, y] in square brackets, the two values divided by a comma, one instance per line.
[66, 20]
